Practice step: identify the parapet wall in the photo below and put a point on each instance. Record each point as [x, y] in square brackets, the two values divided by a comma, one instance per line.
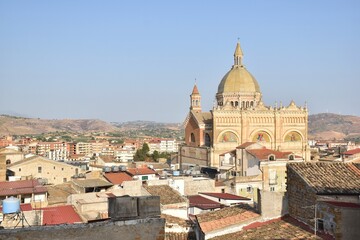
[140, 229]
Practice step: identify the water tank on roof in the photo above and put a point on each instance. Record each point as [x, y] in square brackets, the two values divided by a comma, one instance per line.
[115, 168]
[176, 173]
[107, 169]
[122, 168]
[11, 205]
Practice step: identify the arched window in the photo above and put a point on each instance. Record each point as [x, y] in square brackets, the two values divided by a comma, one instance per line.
[8, 162]
[196, 102]
[207, 140]
[291, 157]
[271, 158]
[236, 103]
[192, 137]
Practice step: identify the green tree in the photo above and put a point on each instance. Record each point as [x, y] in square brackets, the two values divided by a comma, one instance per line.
[142, 153]
[145, 148]
[139, 155]
[155, 156]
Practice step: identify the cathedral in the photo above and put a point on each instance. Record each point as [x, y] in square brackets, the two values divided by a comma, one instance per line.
[238, 117]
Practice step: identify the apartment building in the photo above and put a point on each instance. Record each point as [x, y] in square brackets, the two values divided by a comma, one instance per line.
[84, 148]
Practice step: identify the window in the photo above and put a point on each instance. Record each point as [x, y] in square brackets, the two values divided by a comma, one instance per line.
[207, 140]
[272, 177]
[64, 180]
[192, 137]
[320, 224]
[19, 169]
[223, 190]
[249, 189]
[8, 162]
[271, 158]
[144, 178]
[54, 167]
[291, 157]
[272, 189]
[62, 169]
[39, 169]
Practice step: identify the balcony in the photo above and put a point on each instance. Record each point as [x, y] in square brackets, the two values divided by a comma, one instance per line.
[227, 162]
[273, 181]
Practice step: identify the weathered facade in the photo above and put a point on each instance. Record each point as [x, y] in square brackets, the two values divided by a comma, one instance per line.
[339, 219]
[311, 184]
[50, 171]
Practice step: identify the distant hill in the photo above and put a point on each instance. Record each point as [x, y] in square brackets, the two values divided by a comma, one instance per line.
[135, 129]
[334, 126]
[132, 125]
[321, 126]
[19, 125]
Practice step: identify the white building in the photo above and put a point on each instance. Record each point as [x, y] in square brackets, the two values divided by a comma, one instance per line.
[126, 154]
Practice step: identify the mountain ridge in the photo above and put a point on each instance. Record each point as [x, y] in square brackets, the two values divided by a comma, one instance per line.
[326, 126]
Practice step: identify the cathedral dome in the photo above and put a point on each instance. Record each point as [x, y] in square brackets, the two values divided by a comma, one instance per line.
[238, 79]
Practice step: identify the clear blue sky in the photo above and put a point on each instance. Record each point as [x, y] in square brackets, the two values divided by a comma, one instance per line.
[137, 60]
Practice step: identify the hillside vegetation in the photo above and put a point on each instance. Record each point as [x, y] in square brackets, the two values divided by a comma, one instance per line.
[10, 125]
[334, 126]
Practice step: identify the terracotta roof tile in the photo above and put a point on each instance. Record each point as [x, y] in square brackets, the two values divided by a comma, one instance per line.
[245, 145]
[60, 215]
[281, 228]
[263, 154]
[23, 207]
[170, 220]
[225, 217]
[166, 193]
[117, 178]
[226, 196]
[202, 202]
[329, 178]
[21, 187]
[351, 152]
[203, 117]
[140, 171]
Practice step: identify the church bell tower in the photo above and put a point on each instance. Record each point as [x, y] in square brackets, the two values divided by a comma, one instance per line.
[195, 100]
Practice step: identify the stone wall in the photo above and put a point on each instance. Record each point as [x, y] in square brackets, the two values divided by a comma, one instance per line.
[272, 204]
[301, 198]
[192, 156]
[193, 186]
[139, 229]
[340, 222]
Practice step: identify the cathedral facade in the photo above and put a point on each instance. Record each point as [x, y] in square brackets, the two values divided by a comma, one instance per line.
[240, 116]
